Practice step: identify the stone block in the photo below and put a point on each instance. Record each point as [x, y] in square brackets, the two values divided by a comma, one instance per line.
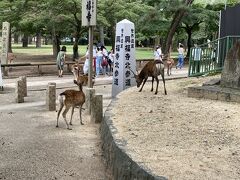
[210, 94]
[24, 85]
[51, 97]
[19, 92]
[195, 92]
[97, 109]
[223, 96]
[235, 98]
[90, 92]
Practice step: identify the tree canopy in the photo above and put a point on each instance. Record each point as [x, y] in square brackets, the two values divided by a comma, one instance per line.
[156, 21]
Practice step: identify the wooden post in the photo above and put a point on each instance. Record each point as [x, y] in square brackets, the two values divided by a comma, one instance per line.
[90, 50]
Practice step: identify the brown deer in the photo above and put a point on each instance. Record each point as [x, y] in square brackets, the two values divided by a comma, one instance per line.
[152, 69]
[77, 70]
[170, 64]
[71, 98]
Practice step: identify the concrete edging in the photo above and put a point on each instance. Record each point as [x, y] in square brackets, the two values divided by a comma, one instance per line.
[118, 161]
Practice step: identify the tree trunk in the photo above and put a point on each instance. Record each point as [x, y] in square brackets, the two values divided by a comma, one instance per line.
[38, 41]
[25, 40]
[189, 42]
[56, 43]
[10, 40]
[175, 23]
[30, 40]
[46, 40]
[75, 48]
[15, 37]
[101, 31]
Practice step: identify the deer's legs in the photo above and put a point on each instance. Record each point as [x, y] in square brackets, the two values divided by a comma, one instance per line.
[157, 84]
[152, 83]
[163, 79]
[143, 84]
[59, 111]
[71, 115]
[80, 114]
[64, 115]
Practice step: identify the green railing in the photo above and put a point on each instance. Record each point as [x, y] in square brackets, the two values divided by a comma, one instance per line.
[209, 57]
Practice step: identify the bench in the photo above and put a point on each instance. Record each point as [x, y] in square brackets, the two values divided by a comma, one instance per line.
[39, 64]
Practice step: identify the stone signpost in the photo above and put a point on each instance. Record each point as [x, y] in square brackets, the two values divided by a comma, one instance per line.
[5, 42]
[124, 57]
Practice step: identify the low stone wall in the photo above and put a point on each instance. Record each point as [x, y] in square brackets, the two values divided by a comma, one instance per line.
[118, 162]
[215, 93]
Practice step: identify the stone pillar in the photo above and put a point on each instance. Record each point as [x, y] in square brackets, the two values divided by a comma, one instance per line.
[5, 40]
[97, 109]
[125, 57]
[90, 92]
[51, 97]
[24, 85]
[19, 92]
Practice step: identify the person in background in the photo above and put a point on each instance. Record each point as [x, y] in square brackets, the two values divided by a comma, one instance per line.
[99, 61]
[180, 56]
[158, 53]
[111, 57]
[61, 60]
[86, 62]
[105, 60]
[196, 55]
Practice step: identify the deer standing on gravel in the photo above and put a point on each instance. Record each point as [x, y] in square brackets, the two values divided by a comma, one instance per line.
[152, 69]
[71, 98]
[170, 64]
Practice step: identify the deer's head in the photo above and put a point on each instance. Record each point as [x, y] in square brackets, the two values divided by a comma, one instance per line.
[78, 83]
[136, 76]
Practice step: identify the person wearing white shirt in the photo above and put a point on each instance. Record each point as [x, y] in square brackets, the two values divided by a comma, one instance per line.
[158, 53]
[180, 56]
[196, 55]
[99, 59]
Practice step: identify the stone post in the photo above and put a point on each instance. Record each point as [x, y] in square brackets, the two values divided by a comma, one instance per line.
[24, 85]
[51, 97]
[97, 109]
[19, 92]
[4, 50]
[125, 57]
[90, 92]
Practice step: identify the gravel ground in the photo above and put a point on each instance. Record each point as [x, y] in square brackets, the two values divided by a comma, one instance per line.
[180, 137]
[31, 147]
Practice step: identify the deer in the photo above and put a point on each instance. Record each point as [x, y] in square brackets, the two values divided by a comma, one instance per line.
[71, 98]
[77, 70]
[170, 64]
[152, 69]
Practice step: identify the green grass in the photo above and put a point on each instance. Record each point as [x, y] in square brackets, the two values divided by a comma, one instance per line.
[141, 53]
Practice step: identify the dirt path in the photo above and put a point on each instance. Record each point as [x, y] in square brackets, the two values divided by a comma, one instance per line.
[179, 137]
[31, 147]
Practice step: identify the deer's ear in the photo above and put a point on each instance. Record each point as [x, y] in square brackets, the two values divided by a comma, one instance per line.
[74, 81]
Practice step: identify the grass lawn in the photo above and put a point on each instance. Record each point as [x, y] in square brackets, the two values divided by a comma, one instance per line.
[141, 53]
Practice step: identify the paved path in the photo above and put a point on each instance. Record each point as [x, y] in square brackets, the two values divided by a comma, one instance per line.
[31, 147]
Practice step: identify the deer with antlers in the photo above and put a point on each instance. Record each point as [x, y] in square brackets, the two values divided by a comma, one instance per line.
[151, 69]
[71, 98]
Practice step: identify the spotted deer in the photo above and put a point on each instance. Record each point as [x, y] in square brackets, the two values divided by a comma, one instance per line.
[71, 99]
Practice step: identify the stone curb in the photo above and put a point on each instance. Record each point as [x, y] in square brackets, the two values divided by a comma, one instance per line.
[118, 161]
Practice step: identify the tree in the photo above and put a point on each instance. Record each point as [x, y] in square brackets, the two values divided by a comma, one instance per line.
[177, 18]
